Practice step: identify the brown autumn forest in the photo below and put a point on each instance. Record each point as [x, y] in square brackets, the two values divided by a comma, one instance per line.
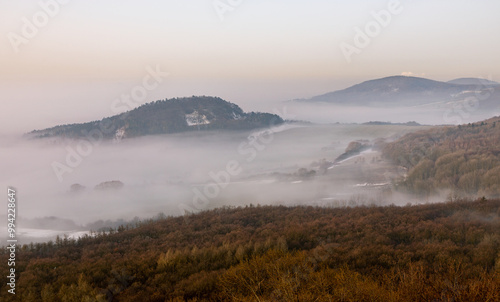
[432, 252]
[463, 159]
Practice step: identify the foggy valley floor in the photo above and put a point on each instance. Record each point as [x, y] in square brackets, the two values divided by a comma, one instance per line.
[166, 173]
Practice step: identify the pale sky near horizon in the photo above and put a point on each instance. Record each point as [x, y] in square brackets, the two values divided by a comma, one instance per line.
[90, 52]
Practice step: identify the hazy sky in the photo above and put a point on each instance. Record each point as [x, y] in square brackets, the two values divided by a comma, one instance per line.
[90, 52]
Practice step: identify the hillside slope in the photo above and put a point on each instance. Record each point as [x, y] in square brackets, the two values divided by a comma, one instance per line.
[434, 252]
[464, 159]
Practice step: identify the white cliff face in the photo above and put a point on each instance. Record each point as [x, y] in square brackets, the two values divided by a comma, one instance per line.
[236, 116]
[120, 134]
[195, 119]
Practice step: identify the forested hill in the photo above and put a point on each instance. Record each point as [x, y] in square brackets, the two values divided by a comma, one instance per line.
[434, 252]
[168, 116]
[464, 159]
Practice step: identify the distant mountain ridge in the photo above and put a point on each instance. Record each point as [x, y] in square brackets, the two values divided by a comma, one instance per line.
[473, 81]
[168, 116]
[405, 91]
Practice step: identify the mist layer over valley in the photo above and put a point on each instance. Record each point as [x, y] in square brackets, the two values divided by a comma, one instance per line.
[175, 174]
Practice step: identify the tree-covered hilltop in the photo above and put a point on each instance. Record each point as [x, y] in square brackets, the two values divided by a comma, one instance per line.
[433, 252]
[464, 159]
[167, 116]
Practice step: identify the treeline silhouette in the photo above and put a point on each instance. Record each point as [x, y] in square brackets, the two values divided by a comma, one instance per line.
[431, 252]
